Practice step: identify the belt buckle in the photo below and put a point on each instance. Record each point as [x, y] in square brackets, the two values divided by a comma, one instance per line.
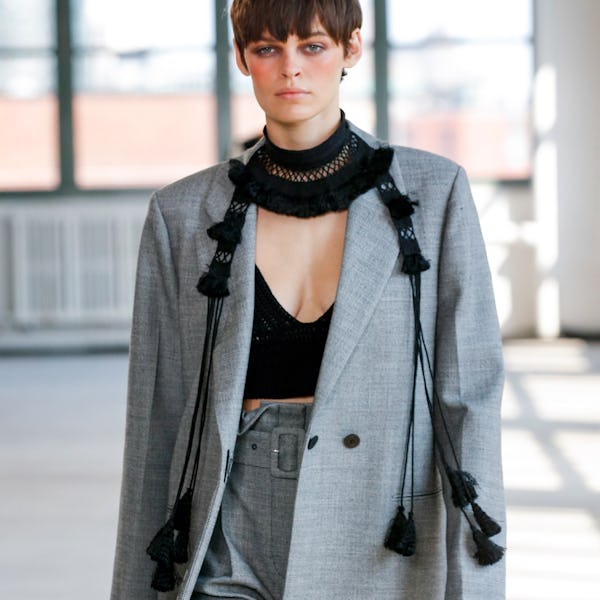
[276, 435]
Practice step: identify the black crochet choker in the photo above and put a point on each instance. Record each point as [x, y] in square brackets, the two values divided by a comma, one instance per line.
[309, 183]
[306, 165]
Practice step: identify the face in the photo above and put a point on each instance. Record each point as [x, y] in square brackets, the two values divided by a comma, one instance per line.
[298, 80]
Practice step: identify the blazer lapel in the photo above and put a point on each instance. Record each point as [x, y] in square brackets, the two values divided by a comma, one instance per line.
[371, 251]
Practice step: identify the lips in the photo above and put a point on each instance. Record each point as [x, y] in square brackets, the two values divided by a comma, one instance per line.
[291, 93]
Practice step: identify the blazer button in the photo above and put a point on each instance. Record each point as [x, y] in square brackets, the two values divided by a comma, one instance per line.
[351, 440]
[312, 442]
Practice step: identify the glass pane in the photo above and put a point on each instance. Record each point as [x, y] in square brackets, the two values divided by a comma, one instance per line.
[413, 22]
[141, 140]
[141, 24]
[368, 27]
[247, 117]
[29, 124]
[150, 71]
[27, 23]
[144, 109]
[357, 93]
[468, 102]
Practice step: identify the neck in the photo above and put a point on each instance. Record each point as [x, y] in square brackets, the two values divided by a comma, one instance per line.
[303, 135]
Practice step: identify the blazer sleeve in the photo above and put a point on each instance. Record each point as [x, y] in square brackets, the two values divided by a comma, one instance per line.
[469, 379]
[154, 406]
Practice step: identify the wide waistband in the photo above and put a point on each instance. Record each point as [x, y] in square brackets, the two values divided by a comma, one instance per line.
[276, 414]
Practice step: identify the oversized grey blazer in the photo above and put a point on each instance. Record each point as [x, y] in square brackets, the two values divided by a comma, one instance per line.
[345, 497]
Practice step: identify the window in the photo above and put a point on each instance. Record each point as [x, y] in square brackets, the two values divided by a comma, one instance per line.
[146, 93]
[28, 105]
[143, 104]
[459, 76]
[357, 93]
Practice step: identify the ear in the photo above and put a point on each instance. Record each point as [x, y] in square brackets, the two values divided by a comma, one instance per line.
[240, 61]
[354, 49]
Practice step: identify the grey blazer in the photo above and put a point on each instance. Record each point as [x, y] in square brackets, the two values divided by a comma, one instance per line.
[346, 497]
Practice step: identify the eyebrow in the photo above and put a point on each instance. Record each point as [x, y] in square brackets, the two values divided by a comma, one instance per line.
[270, 38]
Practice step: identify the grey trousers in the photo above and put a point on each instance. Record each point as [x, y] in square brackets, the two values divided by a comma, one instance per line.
[248, 552]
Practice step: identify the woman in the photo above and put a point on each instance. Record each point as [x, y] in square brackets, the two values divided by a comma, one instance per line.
[315, 369]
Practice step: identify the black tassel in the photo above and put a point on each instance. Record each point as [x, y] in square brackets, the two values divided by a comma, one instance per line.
[181, 520]
[463, 487]
[382, 159]
[180, 549]
[487, 553]
[415, 263]
[402, 535]
[237, 172]
[400, 206]
[164, 578]
[183, 511]
[213, 286]
[160, 548]
[228, 233]
[487, 524]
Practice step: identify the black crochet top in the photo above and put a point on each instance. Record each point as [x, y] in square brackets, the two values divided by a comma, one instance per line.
[285, 354]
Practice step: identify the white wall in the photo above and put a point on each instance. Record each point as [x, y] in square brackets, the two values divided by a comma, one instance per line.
[567, 175]
[510, 233]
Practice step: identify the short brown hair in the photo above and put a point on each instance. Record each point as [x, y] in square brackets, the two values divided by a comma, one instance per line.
[251, 18]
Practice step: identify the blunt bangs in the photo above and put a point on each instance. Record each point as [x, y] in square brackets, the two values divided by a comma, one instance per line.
[282, 18]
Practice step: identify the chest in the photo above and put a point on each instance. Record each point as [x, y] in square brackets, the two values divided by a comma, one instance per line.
[301, 260]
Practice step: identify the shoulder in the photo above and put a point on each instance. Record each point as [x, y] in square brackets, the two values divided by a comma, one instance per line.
[205, 189]
[430, 179]
[417, 164]
[439, 187]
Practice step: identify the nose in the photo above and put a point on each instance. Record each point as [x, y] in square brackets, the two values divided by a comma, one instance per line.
[290, 67]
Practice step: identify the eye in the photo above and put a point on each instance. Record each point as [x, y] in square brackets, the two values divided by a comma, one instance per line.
[264, 50]
[314, 48]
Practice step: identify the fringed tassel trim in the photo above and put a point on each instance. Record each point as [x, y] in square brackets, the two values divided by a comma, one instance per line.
[487, 525]
[170, 545]
[487, 553]
[161, 551]
[228, 235]
[463, 487]
[401, 208]
[401, 534]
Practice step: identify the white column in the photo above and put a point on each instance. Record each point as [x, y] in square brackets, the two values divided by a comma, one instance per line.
[567, 165]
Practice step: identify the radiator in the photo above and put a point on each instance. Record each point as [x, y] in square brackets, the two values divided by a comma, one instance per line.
[71, 266]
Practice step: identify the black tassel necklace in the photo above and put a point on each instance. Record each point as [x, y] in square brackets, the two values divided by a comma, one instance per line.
[306, 184]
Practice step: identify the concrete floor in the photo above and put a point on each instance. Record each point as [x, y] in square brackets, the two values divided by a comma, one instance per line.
[61, 436]
[551, 437]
